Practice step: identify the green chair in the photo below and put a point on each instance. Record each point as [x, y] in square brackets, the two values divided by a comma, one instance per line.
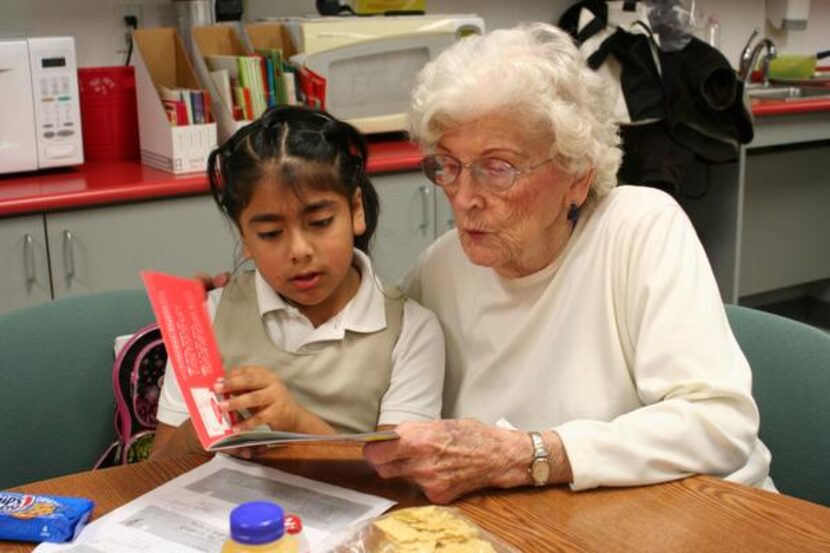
[56, 382]
[791, 383]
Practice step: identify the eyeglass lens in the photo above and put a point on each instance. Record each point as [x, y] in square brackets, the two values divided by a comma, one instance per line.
[444, 171]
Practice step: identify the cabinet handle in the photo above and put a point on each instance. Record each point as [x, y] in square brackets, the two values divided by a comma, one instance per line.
[69, 254]
[425, 191]
[29, 258]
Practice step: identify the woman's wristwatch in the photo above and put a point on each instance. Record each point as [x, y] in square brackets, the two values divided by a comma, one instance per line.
[540, 466]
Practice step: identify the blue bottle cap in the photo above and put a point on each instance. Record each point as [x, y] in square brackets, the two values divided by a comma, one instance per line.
[257, 522]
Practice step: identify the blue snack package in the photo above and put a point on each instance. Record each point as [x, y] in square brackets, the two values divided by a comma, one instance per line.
[26, 517]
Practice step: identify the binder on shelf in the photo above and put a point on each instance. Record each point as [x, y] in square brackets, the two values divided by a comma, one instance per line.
[216, 48]
[167, 142]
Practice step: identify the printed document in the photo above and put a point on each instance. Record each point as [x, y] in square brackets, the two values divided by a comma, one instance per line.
[190, 513]
[179, 306]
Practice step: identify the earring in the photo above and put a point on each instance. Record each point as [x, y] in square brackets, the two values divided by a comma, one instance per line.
[573, 214]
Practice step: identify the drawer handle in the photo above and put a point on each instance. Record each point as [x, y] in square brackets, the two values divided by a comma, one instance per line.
[425, 191]
[69, 254]
[29, 258]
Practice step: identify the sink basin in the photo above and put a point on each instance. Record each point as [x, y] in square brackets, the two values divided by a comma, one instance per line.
[787, 92]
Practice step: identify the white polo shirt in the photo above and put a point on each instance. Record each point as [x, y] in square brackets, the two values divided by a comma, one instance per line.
[417, 375]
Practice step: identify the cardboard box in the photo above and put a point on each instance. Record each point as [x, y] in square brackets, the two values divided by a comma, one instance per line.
[160, 59]
[219, 40]
[270, 35]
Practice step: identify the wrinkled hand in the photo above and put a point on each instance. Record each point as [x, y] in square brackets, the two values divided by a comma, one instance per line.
[450, 458]
[212, 282]
[262, 393]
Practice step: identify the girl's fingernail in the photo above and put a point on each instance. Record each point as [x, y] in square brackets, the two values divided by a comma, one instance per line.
[224, 405]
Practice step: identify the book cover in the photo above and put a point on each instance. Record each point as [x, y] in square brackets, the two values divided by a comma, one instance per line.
[179, 306]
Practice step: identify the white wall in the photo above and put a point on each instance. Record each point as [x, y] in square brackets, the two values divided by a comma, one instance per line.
[99, 35]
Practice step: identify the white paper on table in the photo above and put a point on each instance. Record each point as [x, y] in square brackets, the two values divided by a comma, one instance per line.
[190, 513]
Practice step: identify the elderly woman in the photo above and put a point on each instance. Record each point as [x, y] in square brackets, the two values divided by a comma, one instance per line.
[586, 340]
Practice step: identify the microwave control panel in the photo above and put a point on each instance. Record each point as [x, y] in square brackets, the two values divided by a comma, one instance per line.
[56, 101]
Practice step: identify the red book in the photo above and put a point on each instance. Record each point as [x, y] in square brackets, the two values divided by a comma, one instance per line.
[263, 68]
[249, 105]
[206, 107]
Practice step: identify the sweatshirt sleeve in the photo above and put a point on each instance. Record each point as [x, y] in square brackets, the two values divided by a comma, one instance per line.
[693, 381]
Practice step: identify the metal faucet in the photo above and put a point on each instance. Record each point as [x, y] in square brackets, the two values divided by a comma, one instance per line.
[749, 57]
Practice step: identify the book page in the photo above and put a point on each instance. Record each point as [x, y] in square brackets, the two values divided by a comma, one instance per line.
[190, 513]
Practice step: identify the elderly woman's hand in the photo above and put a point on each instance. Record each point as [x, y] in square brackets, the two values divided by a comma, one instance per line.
[450, 458]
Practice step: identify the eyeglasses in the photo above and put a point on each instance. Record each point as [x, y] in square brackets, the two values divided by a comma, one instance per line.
[490, 172]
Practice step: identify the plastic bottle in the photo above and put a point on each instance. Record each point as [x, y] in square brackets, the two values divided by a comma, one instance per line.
[294, 527]
[259, 527]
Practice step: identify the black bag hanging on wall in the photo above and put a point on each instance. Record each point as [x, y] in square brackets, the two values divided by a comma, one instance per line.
[680, 105]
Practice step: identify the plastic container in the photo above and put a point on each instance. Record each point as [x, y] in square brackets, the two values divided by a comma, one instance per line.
[109, 114]
[294, 527]
[259, 527]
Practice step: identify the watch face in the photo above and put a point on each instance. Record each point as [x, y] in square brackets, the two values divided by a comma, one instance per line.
[540, 471]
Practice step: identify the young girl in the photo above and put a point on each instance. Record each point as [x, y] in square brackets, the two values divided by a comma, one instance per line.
[310, 341]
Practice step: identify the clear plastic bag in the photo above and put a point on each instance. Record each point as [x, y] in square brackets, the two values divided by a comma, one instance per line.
[417, 529]
[673, 21]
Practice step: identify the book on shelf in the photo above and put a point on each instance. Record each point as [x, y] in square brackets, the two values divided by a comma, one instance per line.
[269, 80]
[185, 106]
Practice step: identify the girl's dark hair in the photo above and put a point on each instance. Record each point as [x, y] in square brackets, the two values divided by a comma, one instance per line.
[299, 147]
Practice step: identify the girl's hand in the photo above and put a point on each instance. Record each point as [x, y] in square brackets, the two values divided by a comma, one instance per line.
[261, 392]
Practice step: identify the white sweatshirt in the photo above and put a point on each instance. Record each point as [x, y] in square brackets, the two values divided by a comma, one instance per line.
[621, 345]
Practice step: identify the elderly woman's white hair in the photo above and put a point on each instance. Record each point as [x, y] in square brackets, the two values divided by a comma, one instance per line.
[536, 72]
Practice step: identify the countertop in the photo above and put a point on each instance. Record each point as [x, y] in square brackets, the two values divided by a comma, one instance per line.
[98, 183]
[113, 182]
[762, 107]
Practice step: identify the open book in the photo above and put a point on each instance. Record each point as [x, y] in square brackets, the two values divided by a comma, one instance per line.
[179, 306]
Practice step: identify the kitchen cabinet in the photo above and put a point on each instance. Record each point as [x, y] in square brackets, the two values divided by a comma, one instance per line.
[763, 219]
[24, 263]
[105, 248]
[406, 225]
[93, 250]
[413, 213]
[62, 253]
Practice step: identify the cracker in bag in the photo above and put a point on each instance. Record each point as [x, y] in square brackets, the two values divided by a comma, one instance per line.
[421, 530]
[27, 517]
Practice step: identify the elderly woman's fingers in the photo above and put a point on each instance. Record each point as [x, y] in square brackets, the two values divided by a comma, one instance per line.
[449, 458]
[415, 439]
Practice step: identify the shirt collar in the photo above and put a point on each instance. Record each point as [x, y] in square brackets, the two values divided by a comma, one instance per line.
[365, 312]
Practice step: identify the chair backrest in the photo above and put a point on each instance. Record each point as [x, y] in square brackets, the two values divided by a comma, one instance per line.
[56, 382]
[791, 384]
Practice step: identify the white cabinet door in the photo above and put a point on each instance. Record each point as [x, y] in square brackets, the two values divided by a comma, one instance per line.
[407, 223]
[24, 265]
[444, 218]
[105, 248]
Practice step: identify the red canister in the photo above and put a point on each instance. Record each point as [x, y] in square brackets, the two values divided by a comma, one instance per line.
[109, 116]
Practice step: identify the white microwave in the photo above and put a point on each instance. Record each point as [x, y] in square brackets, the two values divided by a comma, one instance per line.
[362, 69]
[40, 115]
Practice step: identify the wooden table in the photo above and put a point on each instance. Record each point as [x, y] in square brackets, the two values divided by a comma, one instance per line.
[695, 514]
